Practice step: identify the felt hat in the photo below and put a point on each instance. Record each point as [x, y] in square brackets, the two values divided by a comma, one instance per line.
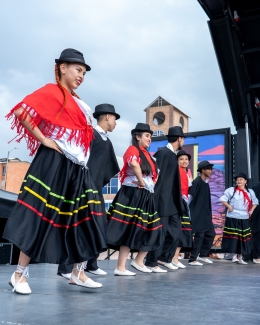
[142, 127]
[242, 175]
[73, 56]
[175, 131]
[183, 153]
[203, 164]
[105, 109]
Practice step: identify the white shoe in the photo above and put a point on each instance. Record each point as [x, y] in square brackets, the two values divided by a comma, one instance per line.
[97, 272]
[157, 270]
[20, 287]
[179, 265]
[143, 269]
[241, 261]
[234, 259]
[170, 266]
[205, 260]
[124, 273]
[195, 263]
[66, 275]
[89, 283]
[256, 261]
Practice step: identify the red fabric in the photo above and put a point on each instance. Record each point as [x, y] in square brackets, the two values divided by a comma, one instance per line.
[46, 103]
[132, 152]
[247, 200]
[184, 182]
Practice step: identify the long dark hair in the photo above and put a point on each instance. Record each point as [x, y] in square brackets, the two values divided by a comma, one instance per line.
[145, 165]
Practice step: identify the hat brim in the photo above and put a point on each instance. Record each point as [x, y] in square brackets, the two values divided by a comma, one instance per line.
[203, 167]
[96, 114]
[142, 131]
[240, 177]
[177, 135]
[73, 61]
[184, 154]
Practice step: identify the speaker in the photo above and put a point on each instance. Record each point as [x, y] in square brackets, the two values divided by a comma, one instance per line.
[6, 252]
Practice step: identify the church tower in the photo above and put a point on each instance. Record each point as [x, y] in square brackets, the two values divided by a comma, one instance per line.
[161, 115]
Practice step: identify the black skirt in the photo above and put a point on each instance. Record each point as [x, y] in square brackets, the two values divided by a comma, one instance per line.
[237, 236]
[133, 220]
[185, 239]
[58, 217]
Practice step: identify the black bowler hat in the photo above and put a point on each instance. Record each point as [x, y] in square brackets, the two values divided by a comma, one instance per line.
[74, 56]
[105, 109]
[142, 127]
[183, 153]
[242, 175]
[175, 131]
[204, 164]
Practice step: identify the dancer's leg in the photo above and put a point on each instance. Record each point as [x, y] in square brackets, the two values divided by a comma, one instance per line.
[123, 255]
[176, 255]
[23, 261]
[140, 258]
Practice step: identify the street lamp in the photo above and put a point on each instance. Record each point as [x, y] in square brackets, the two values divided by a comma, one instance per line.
[6, 167]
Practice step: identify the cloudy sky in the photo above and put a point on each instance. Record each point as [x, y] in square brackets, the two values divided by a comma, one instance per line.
[137, 49]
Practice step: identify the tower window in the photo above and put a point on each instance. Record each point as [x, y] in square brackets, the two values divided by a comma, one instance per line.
[158, 118]
[181, 122]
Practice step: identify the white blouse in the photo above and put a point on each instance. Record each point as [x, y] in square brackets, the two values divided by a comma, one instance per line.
[237, 203]
[72, 151]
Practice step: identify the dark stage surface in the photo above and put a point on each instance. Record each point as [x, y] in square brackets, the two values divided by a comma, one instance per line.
[221, 293]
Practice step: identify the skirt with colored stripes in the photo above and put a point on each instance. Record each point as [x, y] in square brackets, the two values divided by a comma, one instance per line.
[185, 239]
[237, 236]
[133, 220]
[58, 217]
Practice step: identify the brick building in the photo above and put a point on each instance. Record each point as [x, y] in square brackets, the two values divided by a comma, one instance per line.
[161, 115]
[16, 170]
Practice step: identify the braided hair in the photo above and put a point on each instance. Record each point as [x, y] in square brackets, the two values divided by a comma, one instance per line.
[145, 165]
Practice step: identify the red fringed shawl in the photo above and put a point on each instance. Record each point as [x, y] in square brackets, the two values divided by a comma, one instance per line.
[132, 152]
[247, 200]
[44, 105]
[184, 182]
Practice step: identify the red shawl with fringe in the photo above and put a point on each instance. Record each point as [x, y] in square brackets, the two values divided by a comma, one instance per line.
[44, 105]
[132, 152]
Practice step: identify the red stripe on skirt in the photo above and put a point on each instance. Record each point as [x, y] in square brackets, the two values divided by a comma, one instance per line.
[136, 224]
[237, 238]
[51, 221]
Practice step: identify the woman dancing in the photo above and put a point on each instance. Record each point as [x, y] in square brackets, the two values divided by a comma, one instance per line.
[58, 214]
[133, 223]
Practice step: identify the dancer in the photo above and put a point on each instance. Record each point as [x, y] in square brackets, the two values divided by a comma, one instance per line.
[168, 200]
[103, 166]
[185, 239]
[201, 215]
[58, 217]
[240, 202]
[133, 223]
[255, 224]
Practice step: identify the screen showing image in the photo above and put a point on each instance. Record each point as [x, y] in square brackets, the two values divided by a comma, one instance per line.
[209, 147]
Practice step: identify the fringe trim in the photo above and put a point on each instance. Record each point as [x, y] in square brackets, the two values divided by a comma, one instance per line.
[122, 175]
[81, 137]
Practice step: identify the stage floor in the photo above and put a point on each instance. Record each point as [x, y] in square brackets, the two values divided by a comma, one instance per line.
[221, 293]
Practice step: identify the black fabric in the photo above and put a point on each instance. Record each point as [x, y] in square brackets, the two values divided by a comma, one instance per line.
[91, 266]
[202, 244]
[256, 244]
[58, 217]
[237, 236]
[168, 198]
[185, 237]
[171, 233]
[255, 219]
[102, 162]
[133, 220]
[200, 206]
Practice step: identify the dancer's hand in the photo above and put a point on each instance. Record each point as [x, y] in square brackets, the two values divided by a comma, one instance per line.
[51, 144]
[230, 209]
[140, 184]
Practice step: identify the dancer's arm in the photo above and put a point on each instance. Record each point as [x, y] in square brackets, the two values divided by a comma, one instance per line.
[36, 132]
[138, 173]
